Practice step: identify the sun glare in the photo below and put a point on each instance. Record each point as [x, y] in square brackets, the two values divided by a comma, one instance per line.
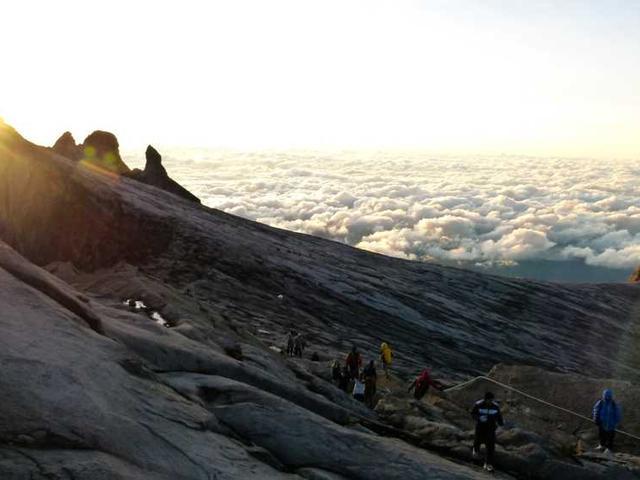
[456, 77]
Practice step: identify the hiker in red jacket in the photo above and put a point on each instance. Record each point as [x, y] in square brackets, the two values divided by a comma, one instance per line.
[422, 383]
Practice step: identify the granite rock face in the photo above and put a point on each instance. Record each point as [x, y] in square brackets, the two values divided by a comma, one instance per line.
[541, 438]
[138, 400]
[459, 322]
[79, 403]
[76, 205]
[139, 338]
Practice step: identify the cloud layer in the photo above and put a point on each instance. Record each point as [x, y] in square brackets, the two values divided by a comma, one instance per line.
[483, 210]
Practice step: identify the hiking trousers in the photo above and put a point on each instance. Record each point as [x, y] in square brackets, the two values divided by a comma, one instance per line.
[420, 391]
[606, 438]
[488, 437]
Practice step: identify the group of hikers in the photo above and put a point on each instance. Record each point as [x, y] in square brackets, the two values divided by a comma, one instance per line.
[606, 414]
[296, 344]
[362, 383]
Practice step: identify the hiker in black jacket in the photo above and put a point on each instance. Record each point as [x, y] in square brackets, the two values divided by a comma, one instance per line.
[487, 415]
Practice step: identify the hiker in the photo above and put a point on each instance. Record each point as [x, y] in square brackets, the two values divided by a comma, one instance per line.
[386, 356]
[358, 389]
[354, 362]
[336, 373]
[487, 416]
[606, 415]
[422, 383]
[299, 344]
[290, 343]
[344, 379]
[370, 380]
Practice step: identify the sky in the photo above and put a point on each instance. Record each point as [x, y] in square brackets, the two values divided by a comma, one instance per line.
[548, 78]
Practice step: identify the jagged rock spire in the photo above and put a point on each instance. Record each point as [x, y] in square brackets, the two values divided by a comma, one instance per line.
[67, 147]
[155, 174]
[154, 163]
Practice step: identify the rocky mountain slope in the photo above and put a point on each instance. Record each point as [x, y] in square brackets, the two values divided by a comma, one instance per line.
[191, 386]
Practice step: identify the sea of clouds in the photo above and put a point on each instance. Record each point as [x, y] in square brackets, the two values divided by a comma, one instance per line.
[487, 211]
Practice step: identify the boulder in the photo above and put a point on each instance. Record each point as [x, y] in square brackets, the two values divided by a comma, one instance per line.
[635, 276]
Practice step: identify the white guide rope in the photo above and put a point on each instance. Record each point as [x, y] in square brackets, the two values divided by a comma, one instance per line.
[531, 397]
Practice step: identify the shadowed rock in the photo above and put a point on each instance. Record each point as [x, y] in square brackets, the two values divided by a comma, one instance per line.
[155, 174]
[47, 284]
[38, 189]
[66, 146]
[154, 167]
[102, 149]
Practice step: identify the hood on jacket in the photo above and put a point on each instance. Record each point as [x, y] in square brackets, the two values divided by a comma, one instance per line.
[607, 395]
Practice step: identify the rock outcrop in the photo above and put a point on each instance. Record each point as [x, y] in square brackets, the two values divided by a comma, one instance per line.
[101, 150]
[66, 146]
[155, 174]
[635, 276]
[78, 206]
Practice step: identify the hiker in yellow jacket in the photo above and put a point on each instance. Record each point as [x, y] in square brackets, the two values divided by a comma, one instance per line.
[386, 355]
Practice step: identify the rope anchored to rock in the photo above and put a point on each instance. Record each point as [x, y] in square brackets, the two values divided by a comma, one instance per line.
[536, 399]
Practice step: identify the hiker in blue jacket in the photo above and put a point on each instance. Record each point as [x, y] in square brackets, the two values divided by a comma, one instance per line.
[606, 415]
